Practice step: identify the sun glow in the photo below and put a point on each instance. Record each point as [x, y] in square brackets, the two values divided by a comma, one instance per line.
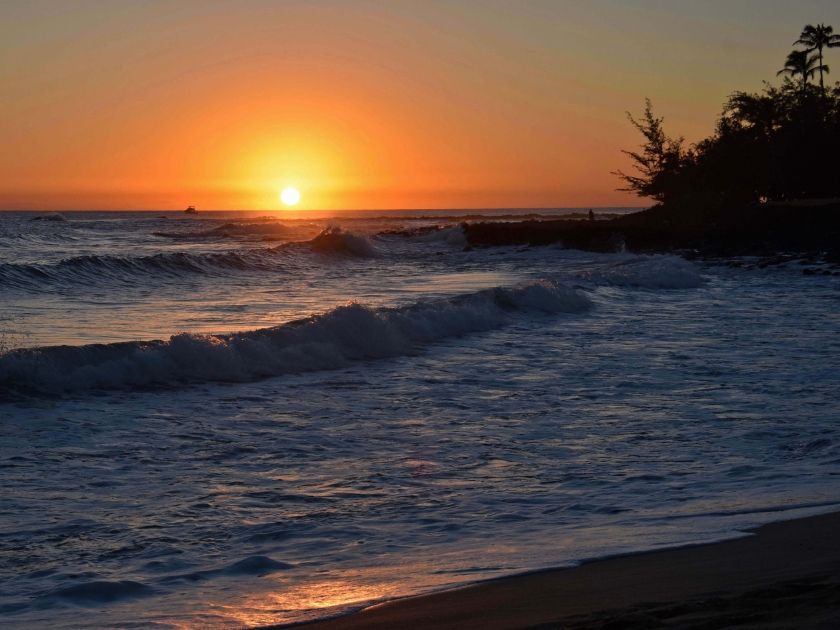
[290, 196]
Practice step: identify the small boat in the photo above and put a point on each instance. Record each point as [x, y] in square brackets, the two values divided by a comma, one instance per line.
[190, 210]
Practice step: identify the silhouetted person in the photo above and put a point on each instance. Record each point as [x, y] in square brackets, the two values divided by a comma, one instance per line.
[591, 215]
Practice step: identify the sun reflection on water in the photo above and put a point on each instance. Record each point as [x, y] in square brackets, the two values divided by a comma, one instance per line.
[286, 606]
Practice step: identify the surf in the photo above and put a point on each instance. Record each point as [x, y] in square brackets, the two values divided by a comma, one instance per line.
[327, 341]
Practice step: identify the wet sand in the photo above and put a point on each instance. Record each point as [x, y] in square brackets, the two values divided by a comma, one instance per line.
[785, 576]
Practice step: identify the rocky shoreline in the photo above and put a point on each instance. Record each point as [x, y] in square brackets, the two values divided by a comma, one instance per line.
[776, 234]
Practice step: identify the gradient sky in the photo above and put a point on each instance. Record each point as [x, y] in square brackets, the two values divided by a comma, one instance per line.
[363, 104]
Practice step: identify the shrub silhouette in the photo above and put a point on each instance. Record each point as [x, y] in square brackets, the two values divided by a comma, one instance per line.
[780, 144]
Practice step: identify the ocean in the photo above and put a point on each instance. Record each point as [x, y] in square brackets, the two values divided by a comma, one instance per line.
[228, 420]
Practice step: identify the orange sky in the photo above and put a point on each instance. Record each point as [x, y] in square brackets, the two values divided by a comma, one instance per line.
[399, 104]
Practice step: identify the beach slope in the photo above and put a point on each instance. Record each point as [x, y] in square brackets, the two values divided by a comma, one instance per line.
[787, 575]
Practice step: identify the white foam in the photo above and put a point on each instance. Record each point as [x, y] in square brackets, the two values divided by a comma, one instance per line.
[649, 272]
[329, 341]
[336, 240]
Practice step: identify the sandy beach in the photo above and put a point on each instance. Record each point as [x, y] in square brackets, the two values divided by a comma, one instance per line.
[785, 576]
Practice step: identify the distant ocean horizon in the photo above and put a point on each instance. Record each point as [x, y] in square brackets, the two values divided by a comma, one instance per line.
[293, 212]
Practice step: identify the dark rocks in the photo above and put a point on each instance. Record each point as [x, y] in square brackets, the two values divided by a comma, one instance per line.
[779, 234]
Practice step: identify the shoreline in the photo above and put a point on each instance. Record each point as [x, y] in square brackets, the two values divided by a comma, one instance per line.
[772, 231]
[787, 572]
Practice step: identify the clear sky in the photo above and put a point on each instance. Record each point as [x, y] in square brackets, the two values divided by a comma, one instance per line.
[363, 104]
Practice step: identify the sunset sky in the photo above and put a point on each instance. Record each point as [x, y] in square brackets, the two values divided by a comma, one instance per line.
[362, 104]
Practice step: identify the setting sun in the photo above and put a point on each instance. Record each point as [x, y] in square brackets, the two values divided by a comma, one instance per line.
[290, 196]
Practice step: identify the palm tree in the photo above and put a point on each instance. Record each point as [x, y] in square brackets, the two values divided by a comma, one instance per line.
[816, 38]
[800, 63]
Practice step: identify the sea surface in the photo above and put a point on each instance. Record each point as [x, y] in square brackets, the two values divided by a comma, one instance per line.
[229, 420]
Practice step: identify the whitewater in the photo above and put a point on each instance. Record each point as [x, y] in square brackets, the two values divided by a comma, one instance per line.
[232, 420]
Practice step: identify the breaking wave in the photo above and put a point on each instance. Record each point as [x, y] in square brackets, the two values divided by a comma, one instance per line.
[654, 272]
[329, 341]
[93, 269]
[335, 240]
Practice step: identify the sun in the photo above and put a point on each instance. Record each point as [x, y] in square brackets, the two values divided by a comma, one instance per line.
[290, 196]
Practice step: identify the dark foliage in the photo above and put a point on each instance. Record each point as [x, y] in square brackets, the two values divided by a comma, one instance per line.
[780, 144]
[765, 231]
[660, 163]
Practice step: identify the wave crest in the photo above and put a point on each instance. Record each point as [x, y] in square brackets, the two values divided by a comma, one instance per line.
[322, 342]
[92, 269]
[336, 240]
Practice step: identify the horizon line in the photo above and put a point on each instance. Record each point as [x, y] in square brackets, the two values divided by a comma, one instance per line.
[289, 210]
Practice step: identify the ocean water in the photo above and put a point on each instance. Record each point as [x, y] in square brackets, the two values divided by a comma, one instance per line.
[224, 421]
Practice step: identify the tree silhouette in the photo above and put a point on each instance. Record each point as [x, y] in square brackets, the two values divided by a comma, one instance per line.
[776, 145]
[800, 64]
[816, 38]
[766, 114]
[660, 161]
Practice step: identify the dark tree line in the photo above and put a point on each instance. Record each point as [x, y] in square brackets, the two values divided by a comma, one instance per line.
[782, 143]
